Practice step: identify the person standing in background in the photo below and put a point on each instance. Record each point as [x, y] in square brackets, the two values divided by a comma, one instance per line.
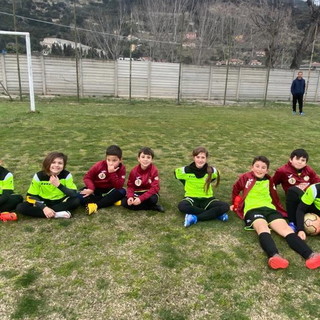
[298, 87]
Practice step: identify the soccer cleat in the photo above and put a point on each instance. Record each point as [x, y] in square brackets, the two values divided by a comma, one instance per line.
[294, 113]
[190, 219]
[224, 217]
[8, 216]
[62, 215]
[277, 262]
[92, 208]
[118, 203]
[302, 113]
[293, 226]
[159, 208]
[314, 261]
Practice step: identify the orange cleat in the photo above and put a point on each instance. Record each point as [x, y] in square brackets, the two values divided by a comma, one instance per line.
[8, 216]
[314, 261]
[277, 262]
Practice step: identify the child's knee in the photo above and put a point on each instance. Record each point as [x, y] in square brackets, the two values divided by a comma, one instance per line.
[183, 206]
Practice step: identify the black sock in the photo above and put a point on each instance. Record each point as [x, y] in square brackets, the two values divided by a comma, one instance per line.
[298, 245]
[267, 244]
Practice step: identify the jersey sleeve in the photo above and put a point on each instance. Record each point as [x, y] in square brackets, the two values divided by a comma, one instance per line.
[180, 174]
[7, 183]
[118, 177]
[130, 185]
[314, 178]
[68, 187]
[237, 188]
[154, 188]
[89, 177]
[34, 188]
[215, 174]
[277, 177]
[310, 195]
[69, 182]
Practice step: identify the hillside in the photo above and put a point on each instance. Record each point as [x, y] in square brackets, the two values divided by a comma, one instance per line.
[158, 23]
[54, 12]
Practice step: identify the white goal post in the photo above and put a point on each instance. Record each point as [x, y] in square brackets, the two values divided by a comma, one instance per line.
[30, 74]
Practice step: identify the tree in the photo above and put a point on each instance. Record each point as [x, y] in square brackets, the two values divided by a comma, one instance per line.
[109, 30]
[270, 22]
[56, 50]
[310, 33]
[222, 30]
[163, 24]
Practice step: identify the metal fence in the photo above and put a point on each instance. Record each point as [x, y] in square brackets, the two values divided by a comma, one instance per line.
[57, 76]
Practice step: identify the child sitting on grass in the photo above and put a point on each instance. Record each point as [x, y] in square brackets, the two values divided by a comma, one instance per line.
[199, 203]
[104, 181]
[261, 209]
[8, 200]
[143, 184]
[52, 192]
[295, 177]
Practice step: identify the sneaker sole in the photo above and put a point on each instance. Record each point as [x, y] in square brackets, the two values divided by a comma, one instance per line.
[186, 223]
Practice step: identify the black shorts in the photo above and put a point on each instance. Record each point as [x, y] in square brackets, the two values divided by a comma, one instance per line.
[264, 213]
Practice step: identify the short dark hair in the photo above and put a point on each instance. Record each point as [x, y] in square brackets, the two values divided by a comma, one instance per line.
[50, 158]
[299, 153]
[262, 159]
[114, 150]
[146, 150]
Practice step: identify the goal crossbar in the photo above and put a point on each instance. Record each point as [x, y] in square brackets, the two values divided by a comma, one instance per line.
[30, 74]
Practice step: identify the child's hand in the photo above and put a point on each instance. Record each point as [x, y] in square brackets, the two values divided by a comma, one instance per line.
[136, 201]
[55, 181]
[302, 235]
[48, 212]
[112, 169]
[130, 201]
[231, 207]
[86, 192]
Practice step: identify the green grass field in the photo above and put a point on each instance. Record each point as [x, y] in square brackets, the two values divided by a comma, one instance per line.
[118, 264]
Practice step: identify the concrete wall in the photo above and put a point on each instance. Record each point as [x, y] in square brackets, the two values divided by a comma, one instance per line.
[57, 76]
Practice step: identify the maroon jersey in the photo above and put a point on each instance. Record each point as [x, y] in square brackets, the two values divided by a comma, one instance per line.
[98, 177]
[288, 176]
[146, 181]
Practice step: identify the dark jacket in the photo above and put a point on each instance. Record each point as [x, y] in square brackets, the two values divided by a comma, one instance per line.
[298, 86]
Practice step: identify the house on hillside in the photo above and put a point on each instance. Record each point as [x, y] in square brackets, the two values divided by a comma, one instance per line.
[232, 62]
[255, 63]
[47, 44]
[236, 62]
